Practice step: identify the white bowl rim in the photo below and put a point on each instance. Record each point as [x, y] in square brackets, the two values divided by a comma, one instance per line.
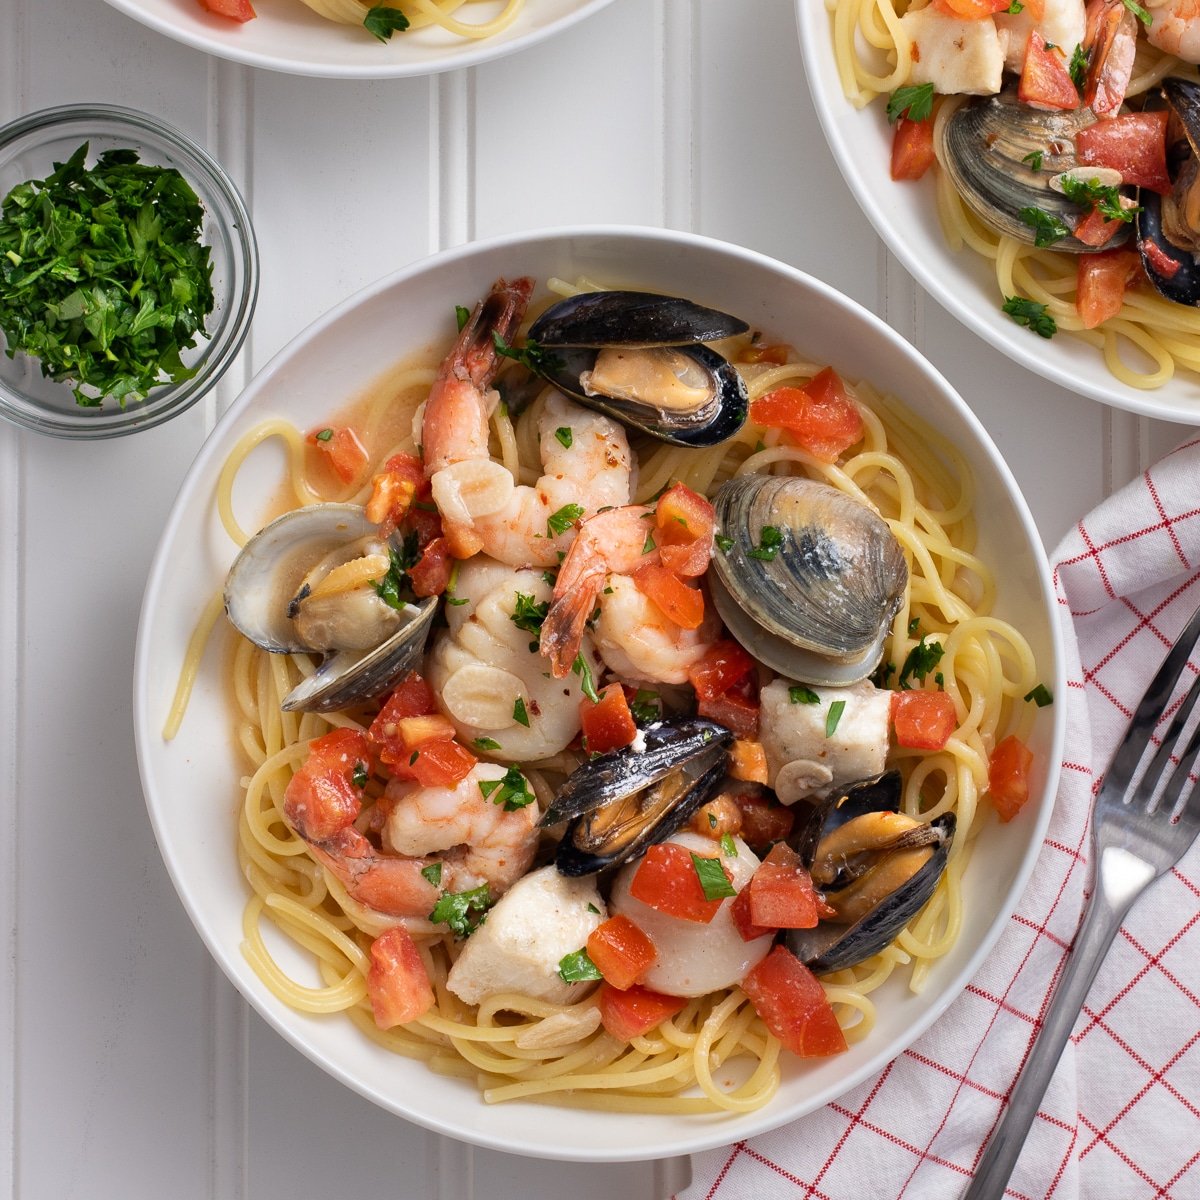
[708, 1135]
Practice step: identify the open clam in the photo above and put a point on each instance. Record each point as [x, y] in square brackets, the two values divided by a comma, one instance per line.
[641, 359]
[623, 801]
[811, 579]
[306, 584]
[874, 866]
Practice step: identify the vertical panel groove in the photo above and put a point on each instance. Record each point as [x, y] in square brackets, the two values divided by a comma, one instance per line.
[679, 47]
[452, 202]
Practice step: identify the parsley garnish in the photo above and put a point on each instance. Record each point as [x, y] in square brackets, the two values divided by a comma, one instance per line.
[565, 436]
[770, 538]
[455, 909]
[1107, 200]
[1032, 314]
[1040, 695]
[561, 521]
[325, 435]
[593, 909]
[360, 775]
[1015, 7]
[728, 848]
[528, 613]
[799, 694]
[511, 790]
[433, 873]
[724, 544]
[920, 660]
[713, 880]
[383, 22]
[712, 820]
[399, 561]
[1034, 159]
[587, 682]
[914, 101]
[914, 624]
[648, 544]
[530, 355]
[486, 743]
[1047, 228]
[1139, 12]
[646, 706]
[577, 967]
[1077, 68]
[520, 715]
[833, 716]
[462, 315]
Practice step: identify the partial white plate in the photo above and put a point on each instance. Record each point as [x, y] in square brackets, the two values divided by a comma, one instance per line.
[288, 36]
[191, 783]
[964, 283]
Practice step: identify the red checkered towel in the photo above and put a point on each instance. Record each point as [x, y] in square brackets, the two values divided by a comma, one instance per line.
[1121, 1119]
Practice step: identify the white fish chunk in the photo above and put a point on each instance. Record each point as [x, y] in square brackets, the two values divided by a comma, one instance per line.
[955, 56]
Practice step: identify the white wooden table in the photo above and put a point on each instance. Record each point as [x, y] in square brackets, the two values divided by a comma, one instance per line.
[131, 1068]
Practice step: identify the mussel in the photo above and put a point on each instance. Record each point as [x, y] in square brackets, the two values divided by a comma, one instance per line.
[623, 801]
[304, 583]
[1169, 226]
[874, 866]
[811, 579]
[640, 358]
[989, 148]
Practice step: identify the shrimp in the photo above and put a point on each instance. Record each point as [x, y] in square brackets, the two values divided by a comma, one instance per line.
[585, 456]
[477, 841]
[1175, 28]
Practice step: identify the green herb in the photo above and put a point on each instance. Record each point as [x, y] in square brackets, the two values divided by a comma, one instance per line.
[360, 775]
[1040, 695]
[833, 716]
[913, 625]
[103, 276]
[728, 848]
[769, 540]
[325, 435]
[433, 873]
[1034, 159]
[456, 600]
[940, 680]
[593, 909]
[456, 908]
[1015, 7]
[400, 562]
[1032, 314]
[1107, 200]
[486, 743]
[561, 521]
[587, 682]
[412, 758]
[462, 315]
[1077, 68]
[712, 820]
[519, 713]
[382, 22]
[528, 613]
[531, 355]
[713, 880]
[565, 436]
[549, 577]
[914, 101]
[511, 790]
[646, 706]
[919, 661]
[648, 544]
[1139, 12]
[724, 544]
[1047, 228]
[577, 967]
[799, 694]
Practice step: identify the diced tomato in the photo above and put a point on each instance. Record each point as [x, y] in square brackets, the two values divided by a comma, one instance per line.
[1045, 81]
[756, 352]
[748, 761]
[782, 893]
[684, 521]
[1111, 41]
[397, 983]
[322, 797]
[969, 10]
[912, 148]
[737, 712]
[430, 727]
[235, 10]
[820, 416]
[670, 595]
[411, 697]
[393, 491]
[722, 665]
[430, 574]
[440, 763]
[345, 453]
[635, 1011]
[1160, 260]
[923, 720]
[415, 740]
[763, 822]
[666, 880]
[1103, 277]
[608, 725]
[1095, 229]
[1133, 143]
[743, 922]
[1008, 776]
[793, 1005]
[621, 951]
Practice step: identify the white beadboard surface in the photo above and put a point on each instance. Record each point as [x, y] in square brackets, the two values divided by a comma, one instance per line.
[131, 1068]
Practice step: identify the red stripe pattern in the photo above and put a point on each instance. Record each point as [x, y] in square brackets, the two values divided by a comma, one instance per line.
[1121, 1120]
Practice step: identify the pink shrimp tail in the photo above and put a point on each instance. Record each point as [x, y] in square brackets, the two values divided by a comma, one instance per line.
[389, 884]
[567, 618]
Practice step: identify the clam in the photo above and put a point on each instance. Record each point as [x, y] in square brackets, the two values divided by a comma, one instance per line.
[811, 579]
[988, 147]
[875, 868]
[641, 359]
[623, 801]
[304, 584]
[1171, 223]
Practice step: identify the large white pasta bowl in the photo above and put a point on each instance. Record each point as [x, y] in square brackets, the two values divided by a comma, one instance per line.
[191, 782]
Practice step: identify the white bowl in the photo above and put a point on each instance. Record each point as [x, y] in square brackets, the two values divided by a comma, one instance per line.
[191, 783]
[964, 283]
[288, 36]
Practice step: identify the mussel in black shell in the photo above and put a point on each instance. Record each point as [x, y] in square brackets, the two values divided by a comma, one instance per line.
[623, 801]
[641, 359]
[873, 865]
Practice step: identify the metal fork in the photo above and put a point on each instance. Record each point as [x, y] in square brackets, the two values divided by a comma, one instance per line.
[1137, 835]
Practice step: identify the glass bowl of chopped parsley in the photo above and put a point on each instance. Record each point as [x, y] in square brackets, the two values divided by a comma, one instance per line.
[128, 271]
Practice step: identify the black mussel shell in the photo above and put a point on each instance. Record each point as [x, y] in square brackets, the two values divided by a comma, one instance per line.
[633, 319]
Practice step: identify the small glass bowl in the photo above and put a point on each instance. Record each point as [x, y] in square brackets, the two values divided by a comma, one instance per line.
[29, 148]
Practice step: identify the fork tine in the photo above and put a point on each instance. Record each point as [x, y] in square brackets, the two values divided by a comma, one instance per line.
[1160, 767]
[1189, 813]
[1132, 747]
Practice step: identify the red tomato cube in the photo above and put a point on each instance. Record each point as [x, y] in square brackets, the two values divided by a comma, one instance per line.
[722, 665]
[608, 725]
[912, 149]
[1008, 776]
[635, 1011]
[397, 983]
[667, 881]
[793, 1005]
[670, 595]
[322, 797]
[1102, 279]
[923, 720]
[621, 951]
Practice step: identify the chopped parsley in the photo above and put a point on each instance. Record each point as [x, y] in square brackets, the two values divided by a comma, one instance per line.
[565, 436]
[587, 681]
[648, 544]
[456, 600]
[383, 22]
[529, 614]
[486, 743]
[770, 538]
[1040, 695]
[1077, 68]
[1015, 7]
[645, 706]
[914, 101]
[593, 909]
[462, 315]
[728, 848]
[390, 587]
[360, 775]
[412, 758]
[1139, 12]
[834, 716]
[520, 714]
[913, 625]
[1047, 228]
[1031, 314]
[712, 820]
[1106, 199]
[532, 356]
[561, 521]
[462, 911]
[325, 435]
[433, 873]
[724, 544]
[919, 661]
[578, 967]
[713, 880]
[799, 694]
[1034, 159]
[511, 790]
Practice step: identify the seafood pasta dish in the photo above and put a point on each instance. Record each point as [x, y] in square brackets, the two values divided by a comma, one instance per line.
[621, 702]
[1061, 137]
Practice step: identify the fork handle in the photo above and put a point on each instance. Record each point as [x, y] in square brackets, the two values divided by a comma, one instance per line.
[1100, 924]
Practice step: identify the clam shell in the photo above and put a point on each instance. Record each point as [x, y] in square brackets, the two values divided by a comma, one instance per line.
[820, 609]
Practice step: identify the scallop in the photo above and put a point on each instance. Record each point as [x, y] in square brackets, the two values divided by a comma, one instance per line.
[306, 583]
[811, 579]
